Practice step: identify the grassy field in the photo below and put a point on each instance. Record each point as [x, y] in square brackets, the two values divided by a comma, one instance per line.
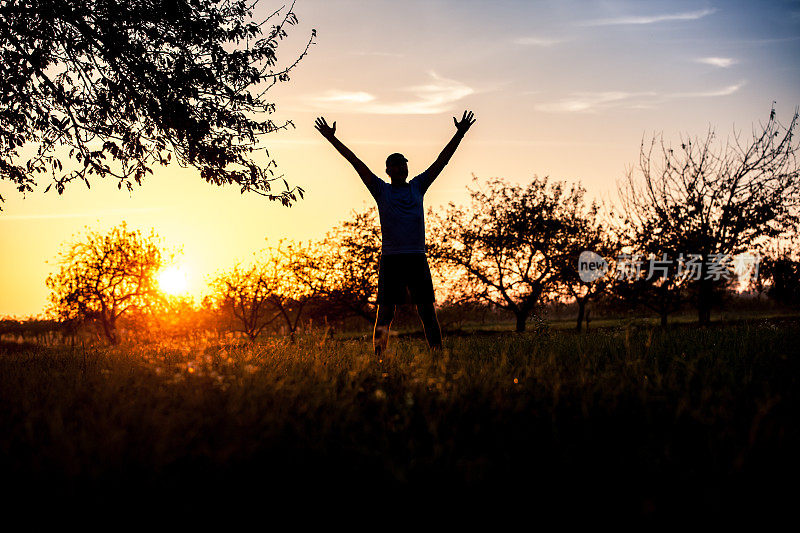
[633, 420]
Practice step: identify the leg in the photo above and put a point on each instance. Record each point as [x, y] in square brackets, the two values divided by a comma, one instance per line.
[383, 320]
[430, 324]
[421, 289]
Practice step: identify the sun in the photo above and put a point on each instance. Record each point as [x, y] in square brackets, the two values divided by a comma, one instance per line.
[172, 280]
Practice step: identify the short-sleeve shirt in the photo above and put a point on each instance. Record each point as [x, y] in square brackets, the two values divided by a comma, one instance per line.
[402, 215]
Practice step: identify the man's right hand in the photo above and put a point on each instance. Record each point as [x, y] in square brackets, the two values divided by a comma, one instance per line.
[322, 126]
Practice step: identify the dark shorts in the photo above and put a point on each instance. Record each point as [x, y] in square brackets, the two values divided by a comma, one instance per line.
[404, 278]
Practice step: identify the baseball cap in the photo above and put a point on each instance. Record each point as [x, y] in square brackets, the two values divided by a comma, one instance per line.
[395, 159]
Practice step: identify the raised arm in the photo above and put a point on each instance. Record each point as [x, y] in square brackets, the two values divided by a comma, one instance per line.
[329, 132]
[462, 126]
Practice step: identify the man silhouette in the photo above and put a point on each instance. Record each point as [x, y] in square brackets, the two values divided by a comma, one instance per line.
[403, 269]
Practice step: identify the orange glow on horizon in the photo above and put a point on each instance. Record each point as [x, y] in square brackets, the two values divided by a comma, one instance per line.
[552, 93]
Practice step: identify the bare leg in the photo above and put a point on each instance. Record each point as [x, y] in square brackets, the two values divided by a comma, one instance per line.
[383, 320]
[430, 324]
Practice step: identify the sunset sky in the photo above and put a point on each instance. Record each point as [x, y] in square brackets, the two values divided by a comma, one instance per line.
[562, 88]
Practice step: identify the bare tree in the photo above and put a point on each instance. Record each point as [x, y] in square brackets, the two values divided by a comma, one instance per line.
[714, 200]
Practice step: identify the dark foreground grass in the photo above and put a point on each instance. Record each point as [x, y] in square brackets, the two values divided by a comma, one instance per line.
[632, 422]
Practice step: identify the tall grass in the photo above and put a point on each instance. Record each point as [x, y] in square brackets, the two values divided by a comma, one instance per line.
[640, 420]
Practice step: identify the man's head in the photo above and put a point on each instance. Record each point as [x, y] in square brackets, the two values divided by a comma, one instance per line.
[397, 168]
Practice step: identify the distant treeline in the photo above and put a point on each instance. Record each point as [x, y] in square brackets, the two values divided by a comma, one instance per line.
[697, 224]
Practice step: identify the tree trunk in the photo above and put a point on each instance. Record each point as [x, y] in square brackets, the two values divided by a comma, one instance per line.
[522, 318]
[581, 312]
[664, 319]
[110, 330]
[704, 316]
[704, 295]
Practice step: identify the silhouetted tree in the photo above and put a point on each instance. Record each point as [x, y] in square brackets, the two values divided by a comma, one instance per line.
[243, 293]
[507, 248]
[258, 294]
[652, 273]
[589, 233]
[714, 200]
[33, 328]
[342, 268]
[780, 272]
[651, 282]
[104, 276]
[108, 89]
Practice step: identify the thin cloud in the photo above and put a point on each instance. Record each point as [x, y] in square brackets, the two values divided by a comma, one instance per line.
[721, 62]
[357, 97]
[587, 102]
[430, 98]
[726, 91]
[107, 212]
[544, 42]
[652, 19]
[683, 40]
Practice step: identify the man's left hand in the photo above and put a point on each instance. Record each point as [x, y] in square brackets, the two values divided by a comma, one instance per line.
[466, 121]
